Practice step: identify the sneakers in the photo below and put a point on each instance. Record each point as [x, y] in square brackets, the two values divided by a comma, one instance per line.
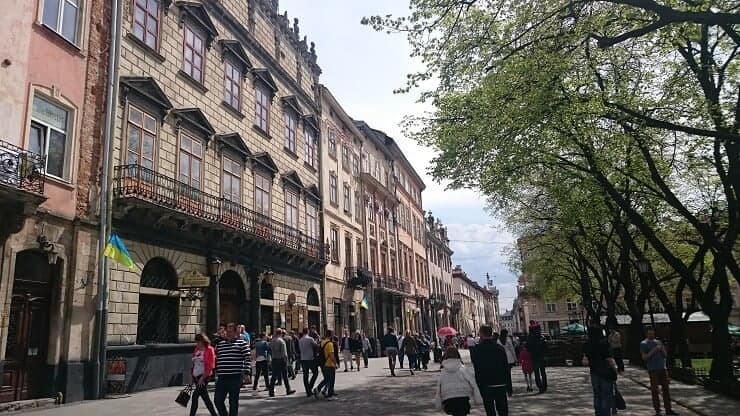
[316, 393]
[345, 370]
[288, 393]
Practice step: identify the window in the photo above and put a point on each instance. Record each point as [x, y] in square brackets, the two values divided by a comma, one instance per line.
[358, 249]
[232, 86]
[232, 180]
[355, 164]
[191, 157]
[193, 54]
[146, 22]
[550, 307]
[312, 221]
[158, 304]
[348, 250]
[290, 126]
[346, 162]
[310, 148]
[572, 306]
[62, 16]
[358, 210]
[334, 241]
[291, 209]
[333, 197]
[377, 170]
[262, 186]
[262, 108]
[366, 162]
[347, 199]
[50, 126]
[332, 144]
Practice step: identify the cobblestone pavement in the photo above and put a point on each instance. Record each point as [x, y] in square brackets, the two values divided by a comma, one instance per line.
[373, 392]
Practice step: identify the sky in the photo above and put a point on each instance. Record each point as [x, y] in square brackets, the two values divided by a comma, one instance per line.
[362, 67]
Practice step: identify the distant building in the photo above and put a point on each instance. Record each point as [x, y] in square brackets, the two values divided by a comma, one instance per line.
[508, 322]
[473, 305]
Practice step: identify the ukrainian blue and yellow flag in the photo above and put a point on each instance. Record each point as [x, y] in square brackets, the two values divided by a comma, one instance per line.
[116, 250]
[363, 303]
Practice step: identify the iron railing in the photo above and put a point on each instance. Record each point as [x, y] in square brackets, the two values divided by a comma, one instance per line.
[392, 283]
[135, 181]
[21, 169]
[358, 277]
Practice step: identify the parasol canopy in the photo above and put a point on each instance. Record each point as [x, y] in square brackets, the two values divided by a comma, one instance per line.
[574, 328]
[447, 331]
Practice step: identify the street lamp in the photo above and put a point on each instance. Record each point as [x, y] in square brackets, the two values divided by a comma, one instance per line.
[213, 266]
[643, 266]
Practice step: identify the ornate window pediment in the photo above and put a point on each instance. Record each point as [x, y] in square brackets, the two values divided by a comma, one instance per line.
[195, 13]
[234, 50]
[193, 119]
[146, 90]
[235, 143]
[292, 179]
[263, 76]
[264, 161]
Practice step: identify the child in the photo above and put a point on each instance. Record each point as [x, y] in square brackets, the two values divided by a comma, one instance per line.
[456, 387]
[525, 358]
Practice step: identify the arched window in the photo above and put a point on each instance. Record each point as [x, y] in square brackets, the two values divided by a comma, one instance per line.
[158, 303]
[312, 297]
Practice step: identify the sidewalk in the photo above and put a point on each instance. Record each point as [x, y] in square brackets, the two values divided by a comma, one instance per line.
[694, 397]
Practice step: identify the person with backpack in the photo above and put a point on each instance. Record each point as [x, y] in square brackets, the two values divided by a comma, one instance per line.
[456, 388]
[262, 363]
[308, 348]
[603, 369]
[328, 361]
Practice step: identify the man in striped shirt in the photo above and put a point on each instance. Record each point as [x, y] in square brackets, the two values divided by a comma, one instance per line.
[232, 361]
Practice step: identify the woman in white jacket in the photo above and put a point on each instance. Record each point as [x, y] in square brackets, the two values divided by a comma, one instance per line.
[456, 386]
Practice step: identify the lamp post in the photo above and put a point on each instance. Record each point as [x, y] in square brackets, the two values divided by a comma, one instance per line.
[213, 267]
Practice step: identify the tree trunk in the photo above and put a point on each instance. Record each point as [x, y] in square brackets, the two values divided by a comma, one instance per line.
[634, 337]
[722, 359]
[679, 346]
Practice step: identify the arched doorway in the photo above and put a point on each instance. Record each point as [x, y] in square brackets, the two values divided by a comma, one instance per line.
[25, 375]
[267, 312]
[232, 298]
[314, 308]
[159, 304]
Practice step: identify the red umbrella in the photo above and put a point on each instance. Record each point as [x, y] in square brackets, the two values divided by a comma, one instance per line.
[447, 332]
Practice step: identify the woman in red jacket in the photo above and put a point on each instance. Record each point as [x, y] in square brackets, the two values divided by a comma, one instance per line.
[204, 360]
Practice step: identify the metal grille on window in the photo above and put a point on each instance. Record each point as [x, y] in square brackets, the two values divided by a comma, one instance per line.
[158, 314]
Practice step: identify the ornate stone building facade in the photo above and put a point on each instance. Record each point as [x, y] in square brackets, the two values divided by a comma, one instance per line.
[439, 257]
[217, 175]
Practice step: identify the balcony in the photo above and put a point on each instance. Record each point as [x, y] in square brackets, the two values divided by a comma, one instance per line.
[21, 170]
[172, 201]
[392, 284]
[358, 277]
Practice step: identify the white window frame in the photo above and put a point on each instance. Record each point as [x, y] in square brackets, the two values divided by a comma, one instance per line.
[550, 308]
[69, 136]
[60, 18]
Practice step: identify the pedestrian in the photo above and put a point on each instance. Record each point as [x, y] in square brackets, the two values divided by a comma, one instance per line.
[346, 350]
[262, 361]
[654, 354]
[245, 336]
[297, 348]
[409, 348]
[456, 388]
[204, 361]
[401, 352]
[290, 349]
[329, 363]
[615, 343]
[470, 342]
[279, 353]
[308, 348]
[505, 341]
[525, 360]
[233, 360]
[365, 348]
[490, 363]
[425, 348]
[603, 369]
[537, 347]
[390, 346]
[355, 347]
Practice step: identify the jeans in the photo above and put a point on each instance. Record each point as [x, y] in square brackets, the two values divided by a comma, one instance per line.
[228, 385]
[494, 399]
[202, 393]
[401, 353]
[509, 385]
[309, 365]
[412, 361]
[603, 395]
[279, 372]
[263, 371]
[364, 357]
[328, 381]
[540, 377]
[659, 380]
[347, 358]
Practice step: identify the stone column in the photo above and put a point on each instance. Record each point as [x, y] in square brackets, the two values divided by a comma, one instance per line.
[254, 300]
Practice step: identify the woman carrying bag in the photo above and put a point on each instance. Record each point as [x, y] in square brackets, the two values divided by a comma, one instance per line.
[456, 388]
[204, 361]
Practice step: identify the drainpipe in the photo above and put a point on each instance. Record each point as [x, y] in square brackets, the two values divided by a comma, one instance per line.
[101, 310]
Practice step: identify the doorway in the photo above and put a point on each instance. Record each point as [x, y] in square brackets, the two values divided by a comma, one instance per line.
[232, 299]
[24, 373]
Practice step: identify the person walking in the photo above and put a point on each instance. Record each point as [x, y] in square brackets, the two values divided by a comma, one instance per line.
[654, 354]
[409, 348]
[490, 363]
[204, 361]
[401, 352]
[470, 342]
[537, 348]
[262, 361]
[456, 388]
[390, 347]
[308, 348]
[329, 364]
[355, 346]
[290, 348]
[233, 360]
[525, 360]
[424, 352]
[602, 367]
[505, 341]
[365, 349]
[346, 350]
[615, 343]
[279, 367]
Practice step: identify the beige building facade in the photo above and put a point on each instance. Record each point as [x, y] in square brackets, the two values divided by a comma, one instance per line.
[439, 258]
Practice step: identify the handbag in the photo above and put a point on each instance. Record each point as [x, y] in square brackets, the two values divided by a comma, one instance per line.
[183, 398]
[618, 399]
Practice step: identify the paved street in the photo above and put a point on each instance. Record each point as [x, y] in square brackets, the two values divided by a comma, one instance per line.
[373, 392]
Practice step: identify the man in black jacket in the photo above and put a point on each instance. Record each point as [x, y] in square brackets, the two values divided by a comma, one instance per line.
[490, 363]
[537, 347]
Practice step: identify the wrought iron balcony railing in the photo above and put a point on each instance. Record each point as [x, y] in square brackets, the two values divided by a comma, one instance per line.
[392, 283]
[135, 181]
[21, 169]
[358, 277]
